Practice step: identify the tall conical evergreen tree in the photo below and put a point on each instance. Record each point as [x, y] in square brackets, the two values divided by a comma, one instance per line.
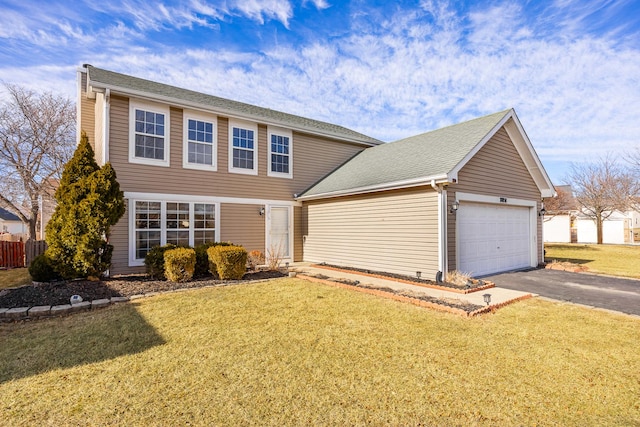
[89, 203]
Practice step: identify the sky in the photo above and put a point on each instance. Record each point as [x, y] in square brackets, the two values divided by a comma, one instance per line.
[388, 69]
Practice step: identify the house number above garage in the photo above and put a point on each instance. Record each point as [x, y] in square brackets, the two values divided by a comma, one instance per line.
[503, 200]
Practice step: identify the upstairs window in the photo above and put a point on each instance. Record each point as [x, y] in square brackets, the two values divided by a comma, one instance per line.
[200, 141]
[243, 147]
[280, 153]
[148, 133]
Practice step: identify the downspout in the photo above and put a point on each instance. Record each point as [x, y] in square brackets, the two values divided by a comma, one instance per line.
[442, 231]
[105, 126]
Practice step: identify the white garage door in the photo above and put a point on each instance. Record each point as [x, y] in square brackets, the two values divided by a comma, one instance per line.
[493, 238]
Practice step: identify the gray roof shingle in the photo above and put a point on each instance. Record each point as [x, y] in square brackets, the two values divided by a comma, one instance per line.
[134, 85]
[428, 155]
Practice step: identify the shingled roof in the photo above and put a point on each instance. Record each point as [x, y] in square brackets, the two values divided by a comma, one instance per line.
[414, 160]
[122, 83]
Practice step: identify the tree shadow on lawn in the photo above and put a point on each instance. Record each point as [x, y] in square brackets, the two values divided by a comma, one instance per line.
[33, 348]
[584, 249]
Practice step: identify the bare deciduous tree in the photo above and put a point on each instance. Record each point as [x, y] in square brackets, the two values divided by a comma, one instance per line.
[37, 134]
[561, 204]
[601, 188]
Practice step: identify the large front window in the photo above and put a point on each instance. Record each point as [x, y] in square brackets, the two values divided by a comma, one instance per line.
[156, 223]
[243, 148]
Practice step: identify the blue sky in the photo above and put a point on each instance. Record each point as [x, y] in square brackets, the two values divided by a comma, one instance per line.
[570, 68]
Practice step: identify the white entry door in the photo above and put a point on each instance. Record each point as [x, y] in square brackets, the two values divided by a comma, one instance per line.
[493, 238]
[279, 231]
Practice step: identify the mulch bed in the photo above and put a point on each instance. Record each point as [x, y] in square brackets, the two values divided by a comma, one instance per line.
[57, 293]
[472, 285]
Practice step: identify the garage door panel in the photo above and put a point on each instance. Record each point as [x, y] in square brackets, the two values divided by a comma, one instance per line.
[493, 238]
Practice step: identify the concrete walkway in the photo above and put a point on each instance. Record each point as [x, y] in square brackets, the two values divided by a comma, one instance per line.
[499, 296]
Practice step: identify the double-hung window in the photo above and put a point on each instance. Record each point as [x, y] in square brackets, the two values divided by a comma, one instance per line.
[200, 141]
[243, 147]
[182, 223]
[280, 152]
[148, 133]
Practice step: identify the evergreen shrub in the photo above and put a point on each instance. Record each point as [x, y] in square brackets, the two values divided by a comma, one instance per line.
[203, 266]
[230, 261]
[154, 261]
[41, 269]
[179, 264]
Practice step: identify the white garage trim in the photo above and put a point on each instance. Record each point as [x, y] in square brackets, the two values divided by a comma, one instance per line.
[507, 202]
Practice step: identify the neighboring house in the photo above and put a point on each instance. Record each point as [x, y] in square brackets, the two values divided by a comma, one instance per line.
[11, 227]
[197, 168]
[573, 226]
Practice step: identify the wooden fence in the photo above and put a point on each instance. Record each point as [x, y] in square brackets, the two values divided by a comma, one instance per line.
[11, 254]
[20, 254]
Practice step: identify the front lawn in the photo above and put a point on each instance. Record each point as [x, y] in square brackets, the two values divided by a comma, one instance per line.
[14, 277]
[290, 352]
[616, 260]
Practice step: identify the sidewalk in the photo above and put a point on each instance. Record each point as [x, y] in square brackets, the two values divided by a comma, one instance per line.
[499, 296]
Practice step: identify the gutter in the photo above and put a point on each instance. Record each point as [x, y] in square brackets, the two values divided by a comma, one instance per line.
[98, 87]
[396, 185]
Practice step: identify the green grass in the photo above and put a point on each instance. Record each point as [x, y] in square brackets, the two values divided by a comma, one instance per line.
[14, 277]
[616, 260]
[289, 352]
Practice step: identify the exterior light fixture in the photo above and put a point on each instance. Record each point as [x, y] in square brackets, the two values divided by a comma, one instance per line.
[418, 274]
[542, 210]
[261, 211]
[487, 298]
[286, 264]
[454, 207]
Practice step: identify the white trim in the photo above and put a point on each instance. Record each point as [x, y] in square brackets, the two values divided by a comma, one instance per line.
[206, 199]
[272, 130]
[231, 114]
[507, 201]
[155, 108]
[242, 124]
[203, 117]
[105, 128]
[415, 182]
[267, 229]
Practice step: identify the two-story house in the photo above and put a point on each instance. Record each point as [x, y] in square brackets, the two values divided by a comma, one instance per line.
[196, 168]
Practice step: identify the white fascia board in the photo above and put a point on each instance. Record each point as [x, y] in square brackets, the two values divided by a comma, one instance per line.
[224, 112]
[206, 199]
[416, 182]
[481, 198]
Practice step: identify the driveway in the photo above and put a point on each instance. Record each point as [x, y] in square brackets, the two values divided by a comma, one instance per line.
[611, 293]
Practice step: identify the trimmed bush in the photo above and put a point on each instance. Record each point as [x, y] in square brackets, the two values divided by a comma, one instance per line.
[179, 264]
[154, 260]
[203, 265]
[230, 261]
[41, 269]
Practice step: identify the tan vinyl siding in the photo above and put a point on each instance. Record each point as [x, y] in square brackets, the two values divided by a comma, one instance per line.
[395, 231]
[242, 225]
[99, 123]
[87, 112]
[496, 170]
[119, 238]
[313, 158]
